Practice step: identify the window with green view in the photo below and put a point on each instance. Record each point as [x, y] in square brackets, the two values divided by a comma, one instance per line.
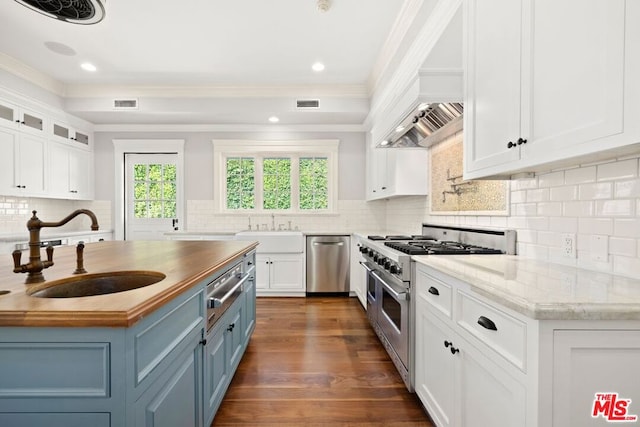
[241, 183]
[276, 183]
[314, 183]
[154, 191]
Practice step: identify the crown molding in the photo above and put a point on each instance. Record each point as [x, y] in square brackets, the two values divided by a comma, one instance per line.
[31, 75]
[91, 91]
[225, 128]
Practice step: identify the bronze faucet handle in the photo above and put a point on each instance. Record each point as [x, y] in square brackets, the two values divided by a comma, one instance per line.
[49, 262]
[17, 255]
[80, 259]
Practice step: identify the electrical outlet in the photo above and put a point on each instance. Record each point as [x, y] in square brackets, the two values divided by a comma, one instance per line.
[569, 245]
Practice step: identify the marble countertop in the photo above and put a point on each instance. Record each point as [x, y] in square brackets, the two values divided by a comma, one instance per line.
[544, 290]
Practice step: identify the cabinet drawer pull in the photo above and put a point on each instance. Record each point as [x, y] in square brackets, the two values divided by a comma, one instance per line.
[433, 291]
[487, 323]
[521, 141]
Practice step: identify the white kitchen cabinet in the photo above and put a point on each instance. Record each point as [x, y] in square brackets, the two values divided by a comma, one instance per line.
[396, 172]
[588, 360]
[13, 116]
[358, 279]
[279, 274]
[549, 83]
[71, 172]
[22, 163]
[63, 132]
[459, 382]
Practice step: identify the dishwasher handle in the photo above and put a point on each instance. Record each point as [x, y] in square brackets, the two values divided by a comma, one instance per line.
[328, 243]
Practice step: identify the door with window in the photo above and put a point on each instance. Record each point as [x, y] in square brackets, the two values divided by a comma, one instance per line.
[153, 199]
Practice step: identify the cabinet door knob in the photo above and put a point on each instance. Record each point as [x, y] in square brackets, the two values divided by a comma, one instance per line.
[487, 323]
[454, 350]
[447, 343]
[433, 291]
[203, 342]
[521, 141]
[511, 145]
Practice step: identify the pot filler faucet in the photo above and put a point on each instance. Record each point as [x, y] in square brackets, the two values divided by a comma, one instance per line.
[36, 265]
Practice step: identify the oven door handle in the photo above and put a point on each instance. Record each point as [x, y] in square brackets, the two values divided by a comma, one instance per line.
[365, 264]
[398, 296]
[213, 302]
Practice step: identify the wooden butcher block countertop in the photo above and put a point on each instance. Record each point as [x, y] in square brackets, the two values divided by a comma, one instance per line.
[185, 264]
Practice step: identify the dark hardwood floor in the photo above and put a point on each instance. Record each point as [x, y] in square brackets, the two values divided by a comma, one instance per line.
[316, 362]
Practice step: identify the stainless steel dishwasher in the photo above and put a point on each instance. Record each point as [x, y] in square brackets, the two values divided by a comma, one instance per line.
[328, 265]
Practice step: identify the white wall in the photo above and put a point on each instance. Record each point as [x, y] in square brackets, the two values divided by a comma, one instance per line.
[199, 175]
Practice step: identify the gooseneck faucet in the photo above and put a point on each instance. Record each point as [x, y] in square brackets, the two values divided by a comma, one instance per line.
[36, 265]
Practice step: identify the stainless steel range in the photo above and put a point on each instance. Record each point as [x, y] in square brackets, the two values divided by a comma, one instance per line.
[387, 260]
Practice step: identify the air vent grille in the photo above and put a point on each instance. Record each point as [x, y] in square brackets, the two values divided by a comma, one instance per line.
[125, 104]
[305, 104]
[73, 11]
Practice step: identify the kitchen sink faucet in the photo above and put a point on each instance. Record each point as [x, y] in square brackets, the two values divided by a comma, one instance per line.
[35, 265]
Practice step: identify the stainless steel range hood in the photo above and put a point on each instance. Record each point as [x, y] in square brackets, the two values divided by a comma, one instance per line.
[426, 125]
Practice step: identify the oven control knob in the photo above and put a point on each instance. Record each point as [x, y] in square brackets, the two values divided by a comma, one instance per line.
[371, 252]
[393, 269]
[381, 260]
[375, 257]
[364, 249]
[387, 264]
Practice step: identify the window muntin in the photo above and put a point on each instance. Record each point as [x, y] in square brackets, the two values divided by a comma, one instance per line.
[154, 190]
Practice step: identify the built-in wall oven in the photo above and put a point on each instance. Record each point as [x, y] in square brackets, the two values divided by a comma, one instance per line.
[387, 261]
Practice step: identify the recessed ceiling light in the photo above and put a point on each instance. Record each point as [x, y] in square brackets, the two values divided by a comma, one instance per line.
[274, 119]
[317, 67]
[87, 66]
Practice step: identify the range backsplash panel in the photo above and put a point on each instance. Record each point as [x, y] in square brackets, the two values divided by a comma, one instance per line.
[451, 195]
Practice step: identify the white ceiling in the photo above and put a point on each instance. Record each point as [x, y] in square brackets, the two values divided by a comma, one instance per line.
[212, 61]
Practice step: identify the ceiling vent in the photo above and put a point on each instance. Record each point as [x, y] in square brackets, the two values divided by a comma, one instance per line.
[125, 104]
[307, 104]
[74, 11]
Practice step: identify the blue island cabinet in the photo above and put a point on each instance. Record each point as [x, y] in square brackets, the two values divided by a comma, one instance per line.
[159, 372]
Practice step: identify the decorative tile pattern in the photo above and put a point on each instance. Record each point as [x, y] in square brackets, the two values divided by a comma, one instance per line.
[450, 193]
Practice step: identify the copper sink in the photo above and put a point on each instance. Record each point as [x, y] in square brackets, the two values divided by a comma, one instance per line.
[96, 284]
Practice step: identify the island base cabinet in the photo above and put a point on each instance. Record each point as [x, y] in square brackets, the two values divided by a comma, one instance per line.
[591, 362]
[461, 386]
[56, 419]
[216, 372]
[173, 400]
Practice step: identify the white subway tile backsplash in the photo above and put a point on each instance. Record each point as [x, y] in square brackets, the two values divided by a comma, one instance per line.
[552, 179]
[622, 246]
[562, 194]
[618, 170]
[580, 175]
[538, 195]
[595, 191]
[595, 226]
[578, 209]
[626, 227]
[549, 209]
[629, 188]
[627, 266]
[563, 224]
[624, 207]
[518, 196]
